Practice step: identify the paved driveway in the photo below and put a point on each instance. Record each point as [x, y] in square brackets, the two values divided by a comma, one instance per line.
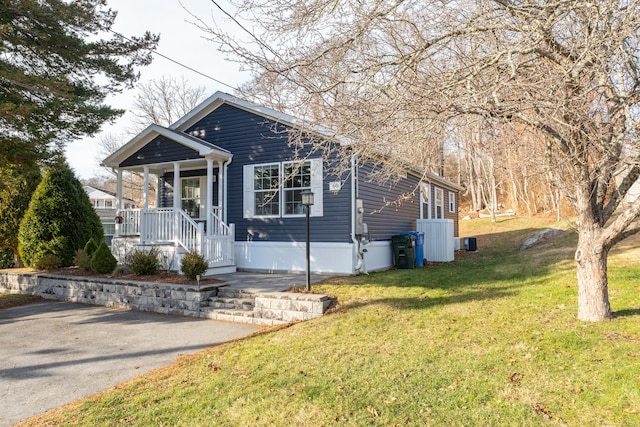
[52, 353]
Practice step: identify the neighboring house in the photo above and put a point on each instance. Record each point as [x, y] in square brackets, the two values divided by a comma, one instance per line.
[105, 204]
[229, 187]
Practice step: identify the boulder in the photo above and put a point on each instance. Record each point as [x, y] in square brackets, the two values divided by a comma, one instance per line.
[540, 237]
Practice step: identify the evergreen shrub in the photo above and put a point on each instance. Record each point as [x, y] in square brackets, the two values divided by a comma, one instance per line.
[103, 260]
[144, 263]
[46, 262]
[91, 246]
[82, 259]
[193, 264]
[59, 220]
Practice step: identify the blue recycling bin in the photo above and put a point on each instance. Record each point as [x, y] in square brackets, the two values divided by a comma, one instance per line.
[419, 247]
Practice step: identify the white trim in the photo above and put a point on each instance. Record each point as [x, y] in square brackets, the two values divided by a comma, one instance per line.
[249, 192]
[152, 131]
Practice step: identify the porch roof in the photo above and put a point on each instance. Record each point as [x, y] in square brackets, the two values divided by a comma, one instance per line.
[205, 150]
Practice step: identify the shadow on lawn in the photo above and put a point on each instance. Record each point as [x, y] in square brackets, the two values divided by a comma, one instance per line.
[626, 313]
[413, 303]
[495, 271]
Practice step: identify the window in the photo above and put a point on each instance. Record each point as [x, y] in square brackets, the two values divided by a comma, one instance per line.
[426, 201]
[297, 177]
[108, 204]
[452, 202]
[191, 196]
[266, 182]
[439, 195]
[274, 189]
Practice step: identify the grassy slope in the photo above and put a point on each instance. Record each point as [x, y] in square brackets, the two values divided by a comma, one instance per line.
[490, 339]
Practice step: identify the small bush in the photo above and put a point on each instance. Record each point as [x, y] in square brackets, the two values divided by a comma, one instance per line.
[144, 263]
[82, 259]
[90, 247]
[122, 270]
[47, 262]
[193, 264]
[103, 260]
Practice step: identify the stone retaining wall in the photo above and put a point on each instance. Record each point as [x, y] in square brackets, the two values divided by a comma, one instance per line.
[290, 306]
[175, 299]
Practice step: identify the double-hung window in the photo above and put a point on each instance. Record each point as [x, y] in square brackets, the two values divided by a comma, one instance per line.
[452, 202]
[266, 185]
[274, 189]
[439, 195]
[297, 178]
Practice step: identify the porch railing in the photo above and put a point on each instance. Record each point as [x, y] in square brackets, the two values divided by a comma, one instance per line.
[218, 243]
[166, 225]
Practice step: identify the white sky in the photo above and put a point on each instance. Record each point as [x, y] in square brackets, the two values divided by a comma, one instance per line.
[180, 41]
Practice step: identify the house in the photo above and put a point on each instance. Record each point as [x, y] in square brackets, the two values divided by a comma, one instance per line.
[229, 187]
[105, 204]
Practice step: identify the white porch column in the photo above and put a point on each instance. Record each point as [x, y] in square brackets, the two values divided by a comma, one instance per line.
[146, 187]
[220, 163]
[177, 189]
[176, 186]
[119, 187]
[209, 196]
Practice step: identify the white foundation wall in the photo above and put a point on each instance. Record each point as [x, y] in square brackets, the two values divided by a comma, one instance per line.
[170, 257]
[379, 256]
[336, 258]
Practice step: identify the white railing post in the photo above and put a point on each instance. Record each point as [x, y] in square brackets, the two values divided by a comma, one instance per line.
[200, 239]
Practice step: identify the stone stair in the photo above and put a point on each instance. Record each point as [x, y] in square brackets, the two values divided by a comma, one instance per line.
[235, 306]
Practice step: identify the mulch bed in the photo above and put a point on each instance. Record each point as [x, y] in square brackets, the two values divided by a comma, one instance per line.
[163, 277]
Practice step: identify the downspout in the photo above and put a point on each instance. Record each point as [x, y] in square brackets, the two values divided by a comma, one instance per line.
[358, 252]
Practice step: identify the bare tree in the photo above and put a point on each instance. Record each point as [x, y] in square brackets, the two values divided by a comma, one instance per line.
[568, 70]
[161, 102]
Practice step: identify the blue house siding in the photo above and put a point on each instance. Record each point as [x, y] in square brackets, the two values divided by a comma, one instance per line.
[384, 214]
[255, 140]
[159, 150]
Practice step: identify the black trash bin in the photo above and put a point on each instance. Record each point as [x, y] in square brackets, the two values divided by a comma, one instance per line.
[404, 251]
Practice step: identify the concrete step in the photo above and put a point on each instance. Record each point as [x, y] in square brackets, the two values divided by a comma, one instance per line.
[235, 315]
[239, 303]
[224, 292]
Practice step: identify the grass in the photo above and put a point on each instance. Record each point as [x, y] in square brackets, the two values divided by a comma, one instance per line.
[13, 300]
[490, 339]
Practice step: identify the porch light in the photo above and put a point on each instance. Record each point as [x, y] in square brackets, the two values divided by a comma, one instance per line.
[307, 197]
[307, 201]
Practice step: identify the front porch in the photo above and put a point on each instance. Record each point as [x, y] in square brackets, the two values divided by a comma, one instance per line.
[173, 232]
[189, 212]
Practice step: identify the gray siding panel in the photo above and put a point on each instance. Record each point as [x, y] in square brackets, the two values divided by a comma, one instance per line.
[385, 212]
[159, 150]
[253, 139]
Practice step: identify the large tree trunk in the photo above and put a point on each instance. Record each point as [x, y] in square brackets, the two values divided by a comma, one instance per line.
[591, 263]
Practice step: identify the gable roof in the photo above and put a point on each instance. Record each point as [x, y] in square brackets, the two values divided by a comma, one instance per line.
[219, 98]
[203, 147]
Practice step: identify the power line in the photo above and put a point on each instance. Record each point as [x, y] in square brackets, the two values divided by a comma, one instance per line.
[154, 51]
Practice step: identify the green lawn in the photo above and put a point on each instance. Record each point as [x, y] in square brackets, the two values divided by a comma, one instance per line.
[490, 339]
